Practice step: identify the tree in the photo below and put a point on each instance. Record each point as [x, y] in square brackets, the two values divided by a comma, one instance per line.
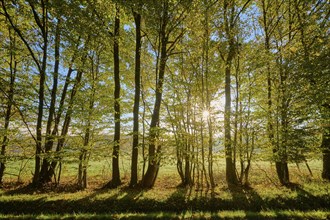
[270, 21]
[313, 23]
[88, 108]
[115, 181]
[168, 24]
[41, 21]
[9, 92]
[230, 16]
[135, 145]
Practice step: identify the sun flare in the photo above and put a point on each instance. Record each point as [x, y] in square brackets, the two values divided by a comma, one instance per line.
[206, 114]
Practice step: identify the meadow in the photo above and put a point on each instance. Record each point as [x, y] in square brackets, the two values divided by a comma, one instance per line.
[308, 197]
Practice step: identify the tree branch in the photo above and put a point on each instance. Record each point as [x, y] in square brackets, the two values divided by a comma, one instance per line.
[20, 34]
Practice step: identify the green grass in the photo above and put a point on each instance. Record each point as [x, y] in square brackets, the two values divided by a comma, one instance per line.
[270, 214]
[308, 198]
[301, 198]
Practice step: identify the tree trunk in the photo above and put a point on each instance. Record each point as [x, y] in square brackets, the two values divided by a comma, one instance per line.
[115, 181]
[49, 137]
[59, 113]
[85, 151]
[82, 170]
[41, 95]
[284, 177]
[326, 153]
[41, 20]
[135, 146]
[41, 92]
[187, 167]
[154, 159]
[13, 65]
[231, 176]
[229, 24]
[188, 142]
[144, 157]
[66, 123]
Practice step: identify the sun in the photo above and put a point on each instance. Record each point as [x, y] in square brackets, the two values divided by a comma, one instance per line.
[206, 114]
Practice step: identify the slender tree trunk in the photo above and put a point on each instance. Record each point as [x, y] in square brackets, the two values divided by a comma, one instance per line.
[49, 137]
[153, 165]
[85, 151]
[41, 97]
[144, 157]
[325, 146]
[180, 142]
[284, 178]
[208, 98]
[231, 176]
[187, 150]
[281, 166]
[115, 181]
[229, 25]
[187, 166]
[82, 170]
[154, 149]
[59, 113]
[135, 147]
[179, 153]
[66, 123]
[238, 113]
[41, 20]
[5, 140]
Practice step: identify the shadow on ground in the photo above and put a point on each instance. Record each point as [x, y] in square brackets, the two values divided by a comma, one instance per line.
[182, 200]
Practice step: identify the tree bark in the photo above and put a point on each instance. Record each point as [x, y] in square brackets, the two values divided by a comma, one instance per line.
[326, 152]
[154, 160]
[135, 146]
[41, 20]
[41, 92]
[85, 151]
[44, 178]
[13, 69]
[229, 24]
[231, 176]
[280, 168]
[115, 181]
[59, 113]
[66, 123]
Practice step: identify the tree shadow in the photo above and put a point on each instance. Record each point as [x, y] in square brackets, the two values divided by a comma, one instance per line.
[30, 189]
[246, 198]
[183, 201]
[122, 199]
[304, 198]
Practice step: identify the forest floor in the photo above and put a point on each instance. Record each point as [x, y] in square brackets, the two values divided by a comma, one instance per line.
[308, 197]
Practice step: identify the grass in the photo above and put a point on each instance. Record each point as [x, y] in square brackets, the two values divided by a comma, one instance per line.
[308, 198]
[270, 214]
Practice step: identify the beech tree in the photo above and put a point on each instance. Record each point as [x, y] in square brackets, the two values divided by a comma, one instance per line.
[230, 13]
[8, 92]
[115, 181]
[192, 82]
[137, 81]
[169, 17]
[312, 21]
[41, 21]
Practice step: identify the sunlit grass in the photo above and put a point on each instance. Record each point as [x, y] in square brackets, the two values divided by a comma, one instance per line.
[304, 199]
[99, 172]
[240, 214]
[266, 199]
